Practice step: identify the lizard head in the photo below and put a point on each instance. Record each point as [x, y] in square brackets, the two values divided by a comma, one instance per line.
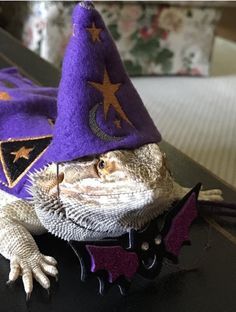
[104, 195]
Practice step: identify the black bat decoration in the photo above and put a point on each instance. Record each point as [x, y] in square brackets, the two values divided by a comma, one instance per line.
[115, 261]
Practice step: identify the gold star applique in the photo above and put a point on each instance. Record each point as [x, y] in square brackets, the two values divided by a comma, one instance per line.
[94, 32]
[23, 152]
[4, 96]
[108, 91]
[117, 124]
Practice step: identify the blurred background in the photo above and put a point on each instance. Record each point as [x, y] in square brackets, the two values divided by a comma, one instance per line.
[184, 33]
[181, 56]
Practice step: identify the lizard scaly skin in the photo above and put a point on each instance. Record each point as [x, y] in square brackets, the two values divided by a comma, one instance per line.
[100, 197]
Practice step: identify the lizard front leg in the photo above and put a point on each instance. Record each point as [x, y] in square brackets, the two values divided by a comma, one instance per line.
[17, 245]
[207, 195]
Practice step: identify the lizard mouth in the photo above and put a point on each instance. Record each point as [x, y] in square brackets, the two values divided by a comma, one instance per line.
[76, 193]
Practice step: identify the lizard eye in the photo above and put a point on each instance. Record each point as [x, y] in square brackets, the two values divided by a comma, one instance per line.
[101, 164]
[106, 167]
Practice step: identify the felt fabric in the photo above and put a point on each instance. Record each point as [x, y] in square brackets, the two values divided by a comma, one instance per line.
[11, 78]
[98, 107]
[115, 260]
[24, 121]
[180, 225]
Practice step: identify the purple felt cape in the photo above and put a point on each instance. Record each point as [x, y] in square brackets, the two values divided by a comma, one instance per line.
[27, 112]
[90, 120]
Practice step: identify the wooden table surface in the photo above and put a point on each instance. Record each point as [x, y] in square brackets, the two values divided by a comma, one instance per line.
[211, 288]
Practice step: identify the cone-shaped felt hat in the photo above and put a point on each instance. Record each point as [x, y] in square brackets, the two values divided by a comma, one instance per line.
[98, 107]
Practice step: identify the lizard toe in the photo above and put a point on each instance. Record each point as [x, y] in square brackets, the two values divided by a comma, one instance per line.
[27, 279]
[14, 271]
[213, 192]
[211, 195]
[49, 269]
[49, 260]
[41, 278]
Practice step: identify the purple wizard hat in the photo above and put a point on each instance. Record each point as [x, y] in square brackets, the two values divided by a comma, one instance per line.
[98, 107]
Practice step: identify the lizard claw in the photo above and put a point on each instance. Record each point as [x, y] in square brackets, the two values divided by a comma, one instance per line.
[37, 266]
[28, 295]
[48, 292]
[57, 277]
[9, 283]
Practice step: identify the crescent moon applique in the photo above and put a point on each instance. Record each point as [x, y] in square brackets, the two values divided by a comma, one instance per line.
[97, 130]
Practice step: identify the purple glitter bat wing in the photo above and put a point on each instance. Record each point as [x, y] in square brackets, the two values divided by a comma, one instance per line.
[108, 261]
[113, 259]
[176, 230]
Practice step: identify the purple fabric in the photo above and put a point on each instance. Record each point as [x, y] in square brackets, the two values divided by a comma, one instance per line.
[11, 78]
[115, 260]
[86, 61]
[25, 115]
[180, 226]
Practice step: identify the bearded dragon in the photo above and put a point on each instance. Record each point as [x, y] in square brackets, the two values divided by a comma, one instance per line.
[101, 196]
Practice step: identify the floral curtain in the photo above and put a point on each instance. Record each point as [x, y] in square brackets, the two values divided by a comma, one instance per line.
[152, 39]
